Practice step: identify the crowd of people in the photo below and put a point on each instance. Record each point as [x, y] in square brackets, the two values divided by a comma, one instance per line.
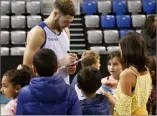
[40, 85]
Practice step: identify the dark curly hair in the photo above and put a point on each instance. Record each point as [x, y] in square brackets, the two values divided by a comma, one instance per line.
[18, 77]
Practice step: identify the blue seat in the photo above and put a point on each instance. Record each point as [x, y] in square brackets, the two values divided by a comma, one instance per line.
[89, 7]
[149, 6]
[119, 6]
[124, 32]
[123, 21]
[107, 21]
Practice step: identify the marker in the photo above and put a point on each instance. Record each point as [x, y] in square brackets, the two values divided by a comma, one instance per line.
[78, 61]
[73, 63]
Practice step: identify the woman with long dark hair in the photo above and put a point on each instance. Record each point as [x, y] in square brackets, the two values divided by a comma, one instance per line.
[135, 84]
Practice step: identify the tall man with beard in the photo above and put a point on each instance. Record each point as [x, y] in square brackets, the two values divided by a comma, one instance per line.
[53, 33]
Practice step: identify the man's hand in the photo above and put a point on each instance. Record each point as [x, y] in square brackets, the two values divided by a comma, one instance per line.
[68, 61]
[72, 65]
[64, 61]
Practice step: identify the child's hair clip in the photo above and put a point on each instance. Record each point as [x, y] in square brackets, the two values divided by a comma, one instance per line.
[19, 67]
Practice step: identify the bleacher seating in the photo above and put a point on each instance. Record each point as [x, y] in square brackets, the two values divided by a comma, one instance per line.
[5, 22]
[5, 7]
[92, 21]
[17, 51]
[33, 7]
[112, 48]
[123, 21]
[99, 49]
[21, 22]
[108, 21]
[18, 7]
[116, 19]
[33, 20]
[104, 6]
[18, 37]
[138, 20]
[149, 6]
[111, 36]
[124, 32]
[134, 6]
[119, 6]
[4, 37]
[94, 36]
[17, 17]
[4, 51]
[89, 7]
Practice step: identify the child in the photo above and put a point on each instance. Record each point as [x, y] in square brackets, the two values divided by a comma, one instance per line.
[90, 58]
[89, 81]
[151, 105]
[47, 93]
[115, 67]
[25, 68]
[12, 82]
[93, 59]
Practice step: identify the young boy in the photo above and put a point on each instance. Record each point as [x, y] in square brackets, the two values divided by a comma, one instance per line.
[89, 81]
[90, 58]
[47, 93]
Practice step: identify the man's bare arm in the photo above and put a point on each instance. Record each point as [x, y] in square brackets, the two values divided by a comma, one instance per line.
[71, 69]
[35, 40]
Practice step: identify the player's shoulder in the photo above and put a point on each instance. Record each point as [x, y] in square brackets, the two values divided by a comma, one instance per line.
[37, 30]
[36, 36]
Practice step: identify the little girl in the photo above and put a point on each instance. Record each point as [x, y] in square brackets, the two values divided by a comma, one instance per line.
[26, 69]
[12, 82]
[115, 67]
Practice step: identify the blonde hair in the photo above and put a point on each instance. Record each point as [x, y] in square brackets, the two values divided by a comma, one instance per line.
[91, 53]
[90, 57]
[66, 7]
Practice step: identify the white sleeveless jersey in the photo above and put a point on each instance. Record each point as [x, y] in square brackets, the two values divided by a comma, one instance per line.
[59, 44]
